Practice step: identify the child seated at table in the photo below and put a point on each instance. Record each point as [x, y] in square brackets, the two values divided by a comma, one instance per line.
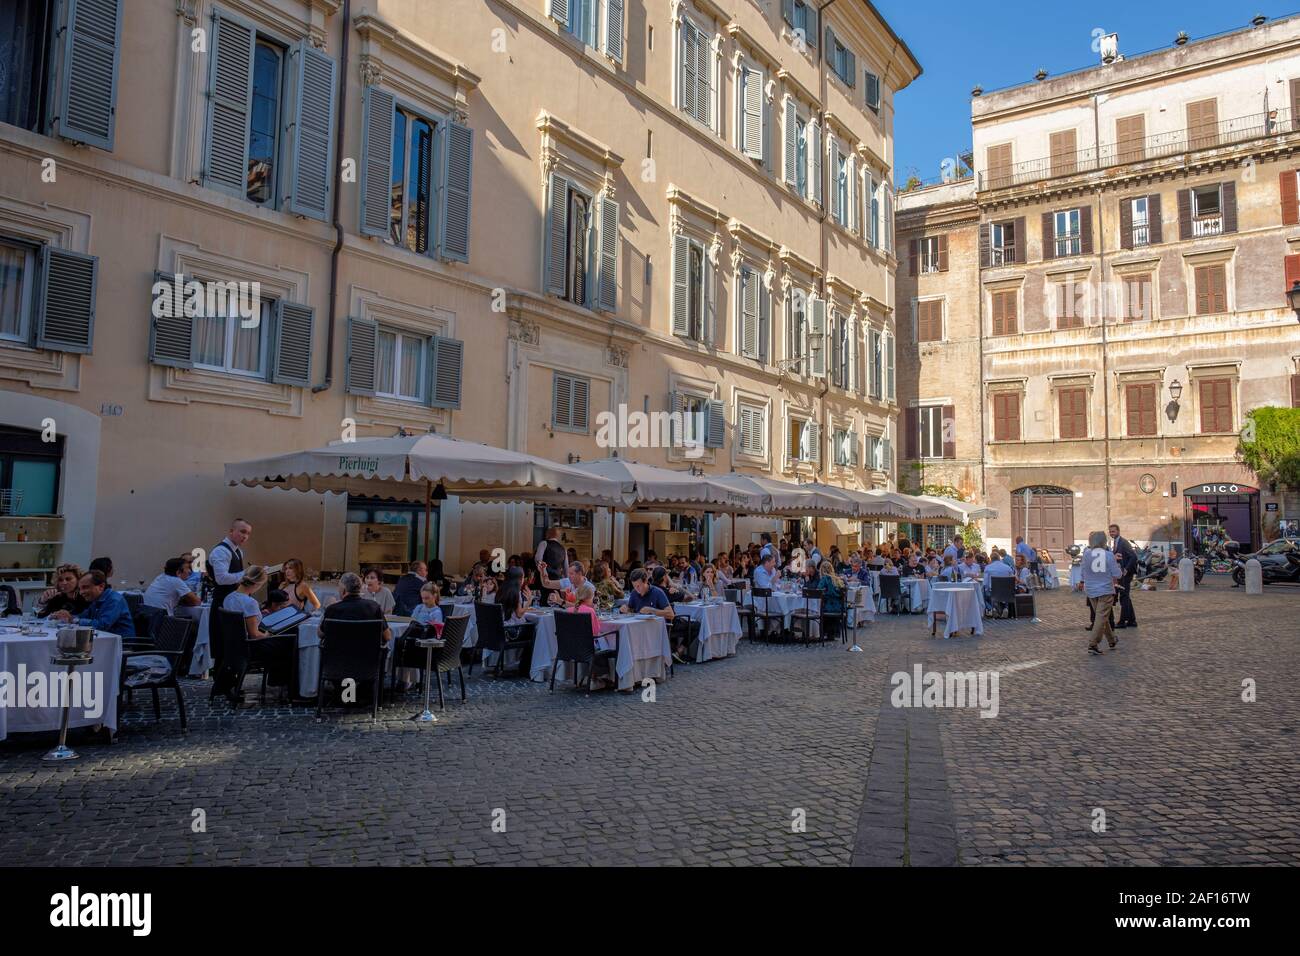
[427, 611]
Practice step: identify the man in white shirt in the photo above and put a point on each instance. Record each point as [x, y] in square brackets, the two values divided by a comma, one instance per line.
[996, 569]
[169, 590]
[970, 568]
[954, 549]
[766, 574]
[226, 570]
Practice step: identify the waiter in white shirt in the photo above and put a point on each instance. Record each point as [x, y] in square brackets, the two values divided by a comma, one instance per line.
[225, 570]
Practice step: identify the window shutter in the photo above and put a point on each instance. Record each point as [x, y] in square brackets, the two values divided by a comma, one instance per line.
[748, 312]
[855, 207]
[687, 41]
[716, 416]
[943, 253]
[377, 162]
[171, 336]
[998, 310]
[361, 370]
[817, 340]
[889, 216]
[871, 210]
[787, 11]
[872, 86]
[710, 298]
[1295, 391]
[614, 30]
[815, 153]
[889, 366]
[1018, 225]
[830, 46]
[607, 280]
[230, 95]
[837, 210]
[813, 432]
[1130, 133]
[791, 143]
[1049, 235]
[562, 401]
[457, 185]
[913, 254]
[681, 284]
[1229, 193]
[1290, 201]
[1202, 290]
[850, 69]
[751, 131]
[311, 162]
[446, 370]
[703, 79]
[948, 431]
[911, 431]
[558, 10]
[764, 320]
[557, 231]
[1291, 271]
[65, 313]
[1085, 230]
[887, 454]
[88, 66]
[813, 17]
[986, 245]
[1155, 234]
[1132, 413]
[1126, 223]
[1071, 413]
[1184, 214]
[293, 334]
[1216, 405]
[581, 390]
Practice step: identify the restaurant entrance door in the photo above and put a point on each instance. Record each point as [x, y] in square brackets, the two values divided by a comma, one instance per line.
[1214, 510]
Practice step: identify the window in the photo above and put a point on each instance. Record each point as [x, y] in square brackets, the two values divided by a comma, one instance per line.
[693, 410]
[801, 156]
[582, 19]
[804, 441]
[876, 369]
[931, 255]
[840, 59]
[1137, 298]
[1003, 245]
[845, 445]
[1070, 307]
[841, 211]
[889, 367]
[410, 218]
[751, 114]
[1004, 309]
[1207, 211]
[225, 342]
[877, 453]
[264, 123]
[753, 430]
[871, 200]
[998, 163]
[1006, 416]
[796, 336]
[1211, 289]
[930, 431]
[929, 320]
[400, 365]
[1064, 152]
[1072, 412]
[60, 78]
[695, 73]
[1140, 211]
[754, 308]
[1069, 241]
[1130, 134]
[580, 258]
[569, 402]
[872, 86]
[803, 20]
[1216, 406]
[17, 282]
[692, 290]
[1140, 410]
[841, 351]
[1202, 124]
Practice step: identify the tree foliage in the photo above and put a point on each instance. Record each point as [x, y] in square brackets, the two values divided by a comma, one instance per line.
[1274, 451]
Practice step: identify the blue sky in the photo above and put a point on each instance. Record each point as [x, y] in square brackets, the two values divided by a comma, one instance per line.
[1005, 43]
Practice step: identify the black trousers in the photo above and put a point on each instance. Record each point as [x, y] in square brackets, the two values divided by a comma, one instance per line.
[1126, 615]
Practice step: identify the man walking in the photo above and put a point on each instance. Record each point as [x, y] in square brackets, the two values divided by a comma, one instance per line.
[1100, 572]
[1127, 558]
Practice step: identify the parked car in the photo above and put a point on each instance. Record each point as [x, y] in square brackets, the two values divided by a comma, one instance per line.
[1273, 562]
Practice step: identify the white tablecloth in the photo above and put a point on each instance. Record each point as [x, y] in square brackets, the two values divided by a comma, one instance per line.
[719, 628]
[961, 606]
[644, 650]
[860, 613]
[309, 652]
[783, 603]
[32, 654]
[919, 589]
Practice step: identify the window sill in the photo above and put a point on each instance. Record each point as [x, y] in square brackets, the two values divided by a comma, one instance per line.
[184, 386]
[40, 368]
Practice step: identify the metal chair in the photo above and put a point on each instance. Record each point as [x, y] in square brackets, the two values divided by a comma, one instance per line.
[447, 659]
[236, 664]
[164, 665]
[803, 618]
[891, 592]
[1003, 598]
[352, 650]
[764, 615]
[494, 635]
[575, 644]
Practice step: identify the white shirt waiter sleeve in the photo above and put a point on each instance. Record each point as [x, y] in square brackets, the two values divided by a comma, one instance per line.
[220, 562]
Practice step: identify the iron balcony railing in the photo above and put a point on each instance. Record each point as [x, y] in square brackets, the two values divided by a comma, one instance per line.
[1193, 139]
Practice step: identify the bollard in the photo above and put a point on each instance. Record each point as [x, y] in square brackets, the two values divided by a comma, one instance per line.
[1254, 577]
[1186, 575]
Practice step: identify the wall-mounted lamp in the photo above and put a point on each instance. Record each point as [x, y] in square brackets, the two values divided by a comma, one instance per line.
[1293, 298]
[1173, 408]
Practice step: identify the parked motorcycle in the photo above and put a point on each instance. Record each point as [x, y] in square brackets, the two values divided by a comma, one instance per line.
[1151, 565]
[1270, 572]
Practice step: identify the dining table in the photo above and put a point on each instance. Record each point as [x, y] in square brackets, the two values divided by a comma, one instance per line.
[719, 627]
[94, 693]
[644, 651]
[961, 604]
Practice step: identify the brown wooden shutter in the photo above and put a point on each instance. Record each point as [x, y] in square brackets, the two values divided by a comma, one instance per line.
[1228, 193]
[1184, 214]
[1137, 297]
[949, 431]
[1019, 245]
[1072, 404]
[1290, 201]
[1295, 391]
[1049, 235]
[1291, 269]
[1130, 132]
[1132, 415]
[1202, 124]
[1216, 405]
[911, 420]
[985, 258]
[998, 163]
[1202, 290]
[1064, 152]
[913, 251]
[943, 253]
[1140, 410]
[1126, 223]
[1219, 288]
[998, 314]
[1155, 232]
[1085, 230]
[1006, 416]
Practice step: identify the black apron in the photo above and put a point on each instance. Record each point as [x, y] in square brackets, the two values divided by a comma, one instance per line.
[219, 592]
[554, 557]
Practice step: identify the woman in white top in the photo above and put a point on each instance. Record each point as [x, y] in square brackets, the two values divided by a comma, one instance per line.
[276, 651]
[375, 591]
[241, 599]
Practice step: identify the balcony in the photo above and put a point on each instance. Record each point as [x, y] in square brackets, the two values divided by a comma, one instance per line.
[1141, 234]
[1207, 226]
[1229, 132]
[1003, 255]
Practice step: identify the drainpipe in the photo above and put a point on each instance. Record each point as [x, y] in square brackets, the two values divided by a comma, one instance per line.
[338, 189]
[1101, 266]
[822, 217]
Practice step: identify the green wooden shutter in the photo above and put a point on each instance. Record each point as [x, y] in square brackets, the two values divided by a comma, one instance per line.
[614, 30]
[813, 433]
[681, 284]
[293, 335]
[558, 10]
[88, 67]
[815, 152]
[715, 414]
[791, 143]
[171, 335]
[764, 321]
[446, 370]
[751, 133]
[377, 162]
[557, 231]
[361, 371]
[230, 99]
[457, 183]
[65, 314]
[607, 266]
[311, 162]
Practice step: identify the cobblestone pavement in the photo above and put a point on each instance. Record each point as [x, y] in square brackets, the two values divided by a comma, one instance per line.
[729, 757]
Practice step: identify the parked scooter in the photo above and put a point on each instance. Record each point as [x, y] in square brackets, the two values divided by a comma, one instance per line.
[1151, 565]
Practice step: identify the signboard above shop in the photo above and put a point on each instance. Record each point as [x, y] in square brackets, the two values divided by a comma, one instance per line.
[1221, 488]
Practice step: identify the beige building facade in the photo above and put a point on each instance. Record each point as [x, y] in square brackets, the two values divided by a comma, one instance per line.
[512, 220]
[1135, 235]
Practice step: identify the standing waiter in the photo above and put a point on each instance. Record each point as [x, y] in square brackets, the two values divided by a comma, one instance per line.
[225, 570]
[551, 560]
[1128, 562]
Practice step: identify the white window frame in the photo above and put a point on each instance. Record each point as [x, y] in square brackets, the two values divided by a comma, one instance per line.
[929, 417]
[421, 375]
[1141, 234]
[928, 255]
[805, 453]
[797, 334]
[1207, 223]
[802, 125]
[1069, 240]
[842, 188]
[26, 294]
[228, 348]
[998, 245]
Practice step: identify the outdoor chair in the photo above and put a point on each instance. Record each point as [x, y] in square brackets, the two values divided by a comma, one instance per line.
[575, 644]
[352, 650]
[765, 613]
[891, 592]
[236, 663]
[803, 618]
[1003, 599]
[495, 636]
[163, 666]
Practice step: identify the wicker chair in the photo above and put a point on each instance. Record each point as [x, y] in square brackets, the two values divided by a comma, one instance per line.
[163, 666]
[352, 650]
